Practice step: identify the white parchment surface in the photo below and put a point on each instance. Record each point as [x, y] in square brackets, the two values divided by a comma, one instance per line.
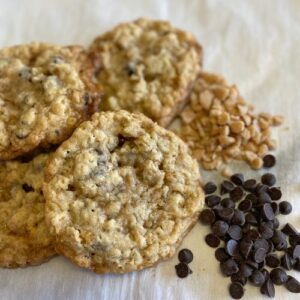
[253, 43]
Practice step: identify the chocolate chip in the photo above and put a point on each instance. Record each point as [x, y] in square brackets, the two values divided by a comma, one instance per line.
[209, 188]
[185, 256]
[236, 290]
[294, 239]
[232, 247]
[267, 212]
[278, 237]
[259, 255]
[257, 278]
[287, 261]
[27, 188]
[182, 270]
[238, 218]
[276, 223]
[268, 289]
[289, 229]
[238, 278]
[266, 274]
[237, 178]
[245, 270]
[265, 231]
[236, 194]
[293, 285]
[252, 234]
[250, 185]
[221, 255]
[251, 219]
[275, 193]
[235, 232]
[272, 261]
[212, 240]
[269, 161]
[295, 251]
[278, 276]
[220, 228]
[275, 208]
[212, 200]
[207, 216]
[225, 214]
[263, 198]
[245, 247]
[261, 188]
[227, 203]
[285, 207]
[245, 205]
[229, 267]
[268, 179]
[226, 187]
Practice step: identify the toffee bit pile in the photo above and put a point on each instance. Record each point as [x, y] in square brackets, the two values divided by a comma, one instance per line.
[243, 217]
[219, 125]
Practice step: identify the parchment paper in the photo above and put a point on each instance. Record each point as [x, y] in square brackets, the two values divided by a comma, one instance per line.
[254, 43]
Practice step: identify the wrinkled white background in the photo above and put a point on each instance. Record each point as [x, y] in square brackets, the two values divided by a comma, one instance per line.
[255, 44]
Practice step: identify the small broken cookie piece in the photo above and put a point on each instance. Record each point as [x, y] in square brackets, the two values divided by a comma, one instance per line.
[147, 66]
[121, 193]
[46, 91]
[24, 237]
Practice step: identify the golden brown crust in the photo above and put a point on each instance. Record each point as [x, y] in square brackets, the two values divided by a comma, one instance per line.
[146, 66]
[45, 92]
[121, 193]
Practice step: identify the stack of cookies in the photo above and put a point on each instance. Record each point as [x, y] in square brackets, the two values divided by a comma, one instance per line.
[86, 169]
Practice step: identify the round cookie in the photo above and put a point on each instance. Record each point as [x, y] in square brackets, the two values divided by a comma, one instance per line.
[24, 237]
[146, 66]
[44, 95]
[121, 193]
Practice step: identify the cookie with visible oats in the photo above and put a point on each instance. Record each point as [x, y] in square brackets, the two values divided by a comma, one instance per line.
[121, 193]
[24, 236]
[147, 66]
[45, 92]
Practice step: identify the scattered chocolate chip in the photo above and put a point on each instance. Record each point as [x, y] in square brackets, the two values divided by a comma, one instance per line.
[278, 276]
[245, 205]
[182, 270]
[207, 216]
[209, 188]
[237, 178]
[245, 247]
[232, 247]
[268, 179]
[272, 261]
[220, 228]
[285, 207]
[257, 278]
[229, 267]
[236, 290]
[212, 240]
[293, 285]
[185, 256]
[287, 261]
[238, 218]
[289, 229]
[236, 194]
[267, 212]
[275, 193]
[27, 188]
[227, 203]
[235, 232]
[268, 289]
[212, 200]
[269, 161]
[259, 255]
[225, 214]
[221, 255]
[226, 187]
[250, 185]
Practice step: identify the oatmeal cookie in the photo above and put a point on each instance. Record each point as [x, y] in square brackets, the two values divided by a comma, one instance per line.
[24, 236]
[146, 66]
[44, 95]
[121, 193]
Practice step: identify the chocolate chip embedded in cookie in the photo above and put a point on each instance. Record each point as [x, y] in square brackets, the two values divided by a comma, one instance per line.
[147, 66]
[24, 236]
[45, 92]
[121, 193]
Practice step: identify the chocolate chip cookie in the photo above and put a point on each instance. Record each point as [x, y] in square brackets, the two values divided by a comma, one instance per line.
[121, 193]
[45, 92]
[146, 66]
[24, 236]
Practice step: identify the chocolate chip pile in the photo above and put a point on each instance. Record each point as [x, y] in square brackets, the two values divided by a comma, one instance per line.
[243, 217]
